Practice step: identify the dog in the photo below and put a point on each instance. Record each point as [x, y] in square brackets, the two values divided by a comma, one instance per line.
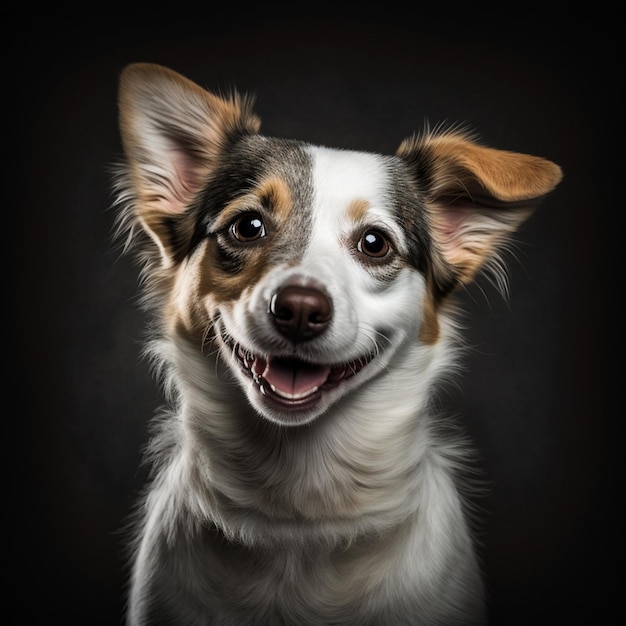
[302, 319]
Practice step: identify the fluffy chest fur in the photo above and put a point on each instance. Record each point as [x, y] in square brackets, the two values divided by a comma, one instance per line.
[303, 317]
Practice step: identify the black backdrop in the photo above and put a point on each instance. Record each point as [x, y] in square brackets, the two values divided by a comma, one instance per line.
[79, 395]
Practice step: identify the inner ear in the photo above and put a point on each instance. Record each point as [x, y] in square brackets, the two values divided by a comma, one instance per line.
[470, 236]
[187, 176]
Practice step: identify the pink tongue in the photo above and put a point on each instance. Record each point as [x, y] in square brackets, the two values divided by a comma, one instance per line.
[295, 377]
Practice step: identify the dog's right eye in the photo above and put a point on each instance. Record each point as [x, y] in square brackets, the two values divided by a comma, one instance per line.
[248, 227]
[373, 244]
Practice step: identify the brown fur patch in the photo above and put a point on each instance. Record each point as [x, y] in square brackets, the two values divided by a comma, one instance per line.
[476, 198]
[185, 312]
[223, 286]
[429, 330]
[507, 176]
[358, 209]
[271, 195]
[274, 193]
[273, 199]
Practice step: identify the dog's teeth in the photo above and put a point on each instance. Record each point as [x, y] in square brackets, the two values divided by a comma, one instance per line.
[265, 373]
[293, 396]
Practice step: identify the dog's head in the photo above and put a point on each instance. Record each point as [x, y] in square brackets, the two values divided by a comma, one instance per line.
[308, 269]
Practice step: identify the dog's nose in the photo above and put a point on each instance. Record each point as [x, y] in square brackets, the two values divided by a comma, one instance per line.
[301, 312]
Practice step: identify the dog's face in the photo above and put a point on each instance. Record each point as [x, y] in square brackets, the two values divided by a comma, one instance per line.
[309, 269]
[304, 273]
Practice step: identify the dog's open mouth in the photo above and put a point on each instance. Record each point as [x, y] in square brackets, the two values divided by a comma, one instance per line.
[291, 383]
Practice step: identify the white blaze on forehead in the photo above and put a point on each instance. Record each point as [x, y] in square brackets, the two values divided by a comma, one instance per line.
[352, 192]
[342, 177]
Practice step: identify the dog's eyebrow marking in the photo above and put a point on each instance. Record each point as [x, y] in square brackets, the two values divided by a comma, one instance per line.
[274, 194]
[357, 209]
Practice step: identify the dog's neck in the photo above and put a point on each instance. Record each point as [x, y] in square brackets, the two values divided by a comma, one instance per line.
[252, 472]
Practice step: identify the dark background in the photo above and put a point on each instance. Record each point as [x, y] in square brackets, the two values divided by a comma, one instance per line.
[535, 398]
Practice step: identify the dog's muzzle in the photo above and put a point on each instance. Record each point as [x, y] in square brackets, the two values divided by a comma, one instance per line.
[291, 387]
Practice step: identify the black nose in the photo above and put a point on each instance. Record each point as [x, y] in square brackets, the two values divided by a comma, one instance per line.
[301, 312]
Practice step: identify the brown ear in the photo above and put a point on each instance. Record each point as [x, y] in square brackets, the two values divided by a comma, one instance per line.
[476, 198]
[173, 134]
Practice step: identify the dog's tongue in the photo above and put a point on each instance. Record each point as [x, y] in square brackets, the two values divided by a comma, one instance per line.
[294, 377]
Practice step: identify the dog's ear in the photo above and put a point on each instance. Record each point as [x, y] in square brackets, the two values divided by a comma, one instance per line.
[173, 134]
[476, 198]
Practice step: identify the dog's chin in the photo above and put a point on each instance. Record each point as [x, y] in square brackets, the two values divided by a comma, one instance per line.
[291, 391]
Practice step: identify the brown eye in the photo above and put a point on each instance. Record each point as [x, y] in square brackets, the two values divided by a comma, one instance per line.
[373, 244]
[248, 227]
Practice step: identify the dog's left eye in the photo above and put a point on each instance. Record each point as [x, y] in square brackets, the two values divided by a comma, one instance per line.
[248, 227]
[373, 244]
